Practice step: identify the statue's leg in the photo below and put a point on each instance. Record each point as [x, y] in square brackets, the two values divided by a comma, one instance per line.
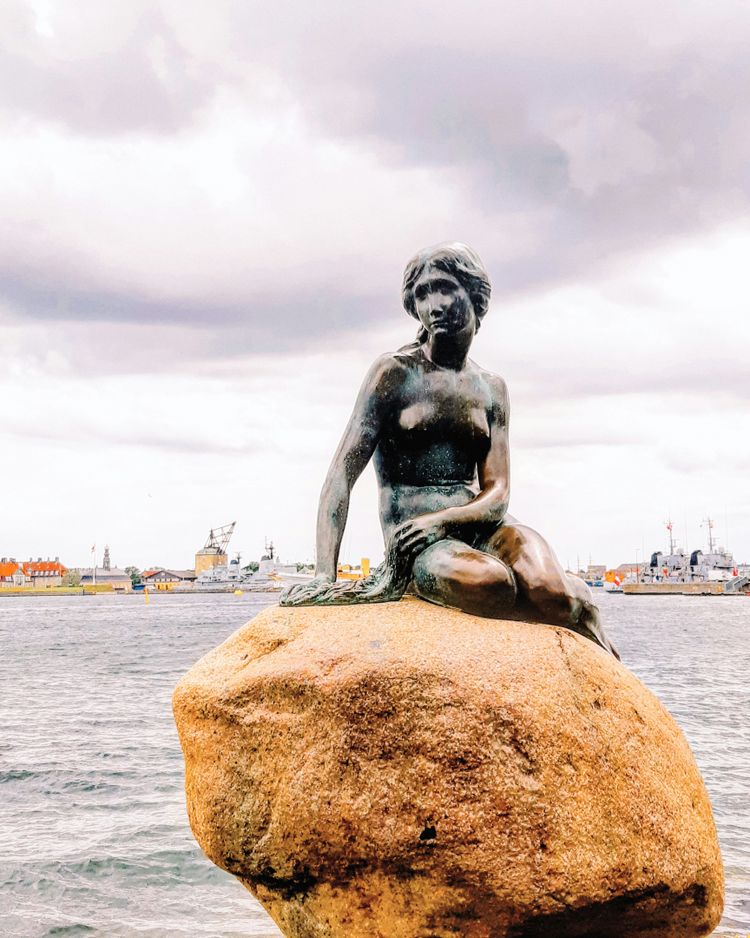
[546, 593]
[451, 573]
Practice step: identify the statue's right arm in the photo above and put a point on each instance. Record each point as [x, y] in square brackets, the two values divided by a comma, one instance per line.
[354, 452]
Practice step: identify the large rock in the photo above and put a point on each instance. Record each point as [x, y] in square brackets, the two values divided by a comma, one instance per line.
[402, 770]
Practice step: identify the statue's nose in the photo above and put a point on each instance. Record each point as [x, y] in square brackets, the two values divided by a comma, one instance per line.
[438, 302]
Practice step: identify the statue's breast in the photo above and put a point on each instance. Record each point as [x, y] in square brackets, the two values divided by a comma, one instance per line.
[444, 421]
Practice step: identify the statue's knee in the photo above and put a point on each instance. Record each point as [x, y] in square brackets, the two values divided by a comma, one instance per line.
[485, 584]
[436, 570]
[429, 571]
[467, 578]
[423, 578]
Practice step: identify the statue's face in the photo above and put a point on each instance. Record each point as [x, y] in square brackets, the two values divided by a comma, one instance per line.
[442, 304]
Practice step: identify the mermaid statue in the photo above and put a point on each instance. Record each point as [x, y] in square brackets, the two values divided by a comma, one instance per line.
[436, 425]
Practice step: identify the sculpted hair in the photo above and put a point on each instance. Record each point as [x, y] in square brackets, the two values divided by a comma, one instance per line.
[458, 260]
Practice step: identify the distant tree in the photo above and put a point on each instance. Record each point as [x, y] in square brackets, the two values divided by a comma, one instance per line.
[304, 567]
[71, 578]
[135, 575]
[252, 567]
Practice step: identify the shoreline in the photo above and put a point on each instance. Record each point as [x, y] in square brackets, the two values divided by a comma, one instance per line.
[108, 591]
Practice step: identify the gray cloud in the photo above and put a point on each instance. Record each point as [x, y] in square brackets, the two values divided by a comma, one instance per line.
[695, 386]
[699, 368]
[258, 323]
[602, 141]
[147, 83]
[190, 443]
[618, 141]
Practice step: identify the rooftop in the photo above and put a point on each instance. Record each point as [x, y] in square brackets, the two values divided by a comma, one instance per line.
[35, 567]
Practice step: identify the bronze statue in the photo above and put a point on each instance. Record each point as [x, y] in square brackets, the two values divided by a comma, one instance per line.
[436, 425]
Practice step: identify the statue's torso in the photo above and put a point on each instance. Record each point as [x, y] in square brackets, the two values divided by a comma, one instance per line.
[435, 432]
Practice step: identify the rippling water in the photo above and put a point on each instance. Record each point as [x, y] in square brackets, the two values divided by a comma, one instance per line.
[94, 838]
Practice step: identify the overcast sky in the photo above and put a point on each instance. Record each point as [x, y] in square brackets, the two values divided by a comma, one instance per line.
[206, 212]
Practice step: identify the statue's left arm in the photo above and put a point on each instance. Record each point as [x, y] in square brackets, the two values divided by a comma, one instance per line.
[490, 504]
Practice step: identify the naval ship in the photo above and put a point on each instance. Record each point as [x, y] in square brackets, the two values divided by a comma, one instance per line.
[272, 576]
[713, 572]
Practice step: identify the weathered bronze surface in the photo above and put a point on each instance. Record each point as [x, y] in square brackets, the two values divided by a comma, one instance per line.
[436, 425]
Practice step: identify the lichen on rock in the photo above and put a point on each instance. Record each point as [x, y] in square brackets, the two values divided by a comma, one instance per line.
[408, 771]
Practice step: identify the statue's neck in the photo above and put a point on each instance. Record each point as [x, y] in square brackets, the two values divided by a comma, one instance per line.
[448, 351]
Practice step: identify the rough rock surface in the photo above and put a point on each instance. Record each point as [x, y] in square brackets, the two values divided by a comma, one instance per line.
[407, 771]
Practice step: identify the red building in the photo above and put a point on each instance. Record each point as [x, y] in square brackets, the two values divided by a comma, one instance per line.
[31, 572]
[45, 572]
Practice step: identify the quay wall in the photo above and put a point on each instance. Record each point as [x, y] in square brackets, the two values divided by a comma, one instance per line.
[695, 589]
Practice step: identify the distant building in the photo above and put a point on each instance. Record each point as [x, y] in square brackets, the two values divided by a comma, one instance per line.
[214, 552]
[107, 575]
[45, 572]
[36, 573]
[12, 574]
[161, 579]
[595, 571]
[207, 559]
[629, 568]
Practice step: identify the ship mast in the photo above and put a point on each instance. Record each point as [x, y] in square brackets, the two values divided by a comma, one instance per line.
[710, 525]
[668, 523]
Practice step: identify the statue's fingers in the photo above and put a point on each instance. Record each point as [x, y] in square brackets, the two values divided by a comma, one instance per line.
[403, 532]
[416, 543]
[405, 541]
[397, 542]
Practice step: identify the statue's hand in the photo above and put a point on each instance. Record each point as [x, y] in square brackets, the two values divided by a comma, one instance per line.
[305, 594]
[417, 534]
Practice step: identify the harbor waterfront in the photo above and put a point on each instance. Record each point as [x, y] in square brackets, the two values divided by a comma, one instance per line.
[92, 814]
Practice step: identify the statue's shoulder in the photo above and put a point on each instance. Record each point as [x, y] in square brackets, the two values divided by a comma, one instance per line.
[495, 383]
[387, 369]
[399, 362]
[407, 356]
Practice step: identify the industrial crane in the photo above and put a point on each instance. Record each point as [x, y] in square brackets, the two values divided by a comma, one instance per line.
[218, 538]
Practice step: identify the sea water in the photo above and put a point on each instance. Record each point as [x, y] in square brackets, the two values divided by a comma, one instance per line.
[94, 839]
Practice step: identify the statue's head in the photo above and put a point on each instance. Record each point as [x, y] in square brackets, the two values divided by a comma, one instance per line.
[460, 263]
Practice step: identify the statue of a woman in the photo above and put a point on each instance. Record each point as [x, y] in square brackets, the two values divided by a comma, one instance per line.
[436, 425]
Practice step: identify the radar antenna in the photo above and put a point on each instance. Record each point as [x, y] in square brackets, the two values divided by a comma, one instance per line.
[218, 538]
